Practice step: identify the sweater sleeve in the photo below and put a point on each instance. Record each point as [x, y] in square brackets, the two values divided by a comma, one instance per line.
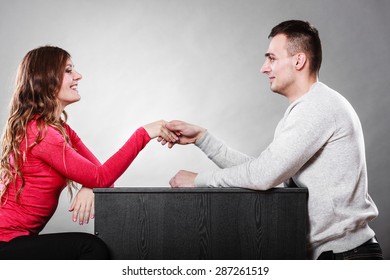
[81, 167]
[304, 132]
[222, 155]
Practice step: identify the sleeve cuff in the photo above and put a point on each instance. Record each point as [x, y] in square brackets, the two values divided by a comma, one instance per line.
[144, 134]
[202, 139]
[203, 179]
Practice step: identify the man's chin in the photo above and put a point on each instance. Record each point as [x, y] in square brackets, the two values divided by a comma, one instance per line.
[274, 89]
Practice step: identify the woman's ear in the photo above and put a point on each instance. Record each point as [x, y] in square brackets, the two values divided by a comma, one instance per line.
[300, 61]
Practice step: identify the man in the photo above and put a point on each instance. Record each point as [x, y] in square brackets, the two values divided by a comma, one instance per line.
[318, 144]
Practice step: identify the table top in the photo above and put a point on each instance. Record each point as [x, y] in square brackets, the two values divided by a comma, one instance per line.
[166, 189]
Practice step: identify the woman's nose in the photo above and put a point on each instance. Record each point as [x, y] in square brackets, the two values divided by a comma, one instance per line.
[77, 76]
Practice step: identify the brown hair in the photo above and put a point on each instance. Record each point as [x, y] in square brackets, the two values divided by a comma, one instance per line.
[302, 37]
[38, 82]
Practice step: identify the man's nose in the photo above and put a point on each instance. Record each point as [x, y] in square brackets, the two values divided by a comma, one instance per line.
[265, 68]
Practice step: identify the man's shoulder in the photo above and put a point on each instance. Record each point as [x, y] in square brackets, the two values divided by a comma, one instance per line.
[322, 98]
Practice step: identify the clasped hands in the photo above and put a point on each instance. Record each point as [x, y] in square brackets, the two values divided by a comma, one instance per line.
[184, 134]
[172, 133]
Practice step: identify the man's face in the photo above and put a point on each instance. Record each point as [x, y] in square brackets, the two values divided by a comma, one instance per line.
[279, 66]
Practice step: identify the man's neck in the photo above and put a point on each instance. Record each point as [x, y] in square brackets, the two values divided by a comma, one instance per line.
[301, 88]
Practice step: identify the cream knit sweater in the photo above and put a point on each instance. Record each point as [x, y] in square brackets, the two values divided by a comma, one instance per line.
[319, 143]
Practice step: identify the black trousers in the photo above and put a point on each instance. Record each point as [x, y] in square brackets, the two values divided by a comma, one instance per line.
[370, 250]
[55, 246]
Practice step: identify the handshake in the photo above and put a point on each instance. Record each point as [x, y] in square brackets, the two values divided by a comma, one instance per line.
[176, 132]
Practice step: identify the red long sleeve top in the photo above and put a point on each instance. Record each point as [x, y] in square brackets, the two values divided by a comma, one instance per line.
[47, 167]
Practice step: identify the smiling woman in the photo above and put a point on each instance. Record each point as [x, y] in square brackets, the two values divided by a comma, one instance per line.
[41, 155]
[69, 92]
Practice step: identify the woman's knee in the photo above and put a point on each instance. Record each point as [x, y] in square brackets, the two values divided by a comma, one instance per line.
[95, 248]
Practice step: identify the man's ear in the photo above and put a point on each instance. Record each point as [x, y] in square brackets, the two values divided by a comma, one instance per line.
[300, 61]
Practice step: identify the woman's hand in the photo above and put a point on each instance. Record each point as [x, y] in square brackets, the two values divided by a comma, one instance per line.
[158, 129]
[83, 206]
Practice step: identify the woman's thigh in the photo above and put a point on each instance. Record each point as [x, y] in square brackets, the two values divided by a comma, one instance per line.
[55, 246]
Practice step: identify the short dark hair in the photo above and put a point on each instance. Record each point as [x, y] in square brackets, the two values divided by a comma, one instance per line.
[302, 37]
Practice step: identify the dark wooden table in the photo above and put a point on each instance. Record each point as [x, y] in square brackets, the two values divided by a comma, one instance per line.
[202, 223]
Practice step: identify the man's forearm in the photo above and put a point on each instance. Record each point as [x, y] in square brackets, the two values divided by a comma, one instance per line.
[222, 155]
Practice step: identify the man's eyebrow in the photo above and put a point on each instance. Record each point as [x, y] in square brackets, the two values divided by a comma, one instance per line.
[268, 54]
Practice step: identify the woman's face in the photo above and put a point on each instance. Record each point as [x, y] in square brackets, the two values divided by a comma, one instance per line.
[69, 89]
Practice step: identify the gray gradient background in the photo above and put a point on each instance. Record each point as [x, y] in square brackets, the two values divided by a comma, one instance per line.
[199, 61]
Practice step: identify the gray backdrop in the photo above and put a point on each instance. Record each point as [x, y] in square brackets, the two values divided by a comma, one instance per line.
[199, 61]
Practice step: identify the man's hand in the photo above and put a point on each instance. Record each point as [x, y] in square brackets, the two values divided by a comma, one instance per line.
[187, 133]
[183, 179]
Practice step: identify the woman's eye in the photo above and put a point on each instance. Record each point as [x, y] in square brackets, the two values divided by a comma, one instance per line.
[68, 71]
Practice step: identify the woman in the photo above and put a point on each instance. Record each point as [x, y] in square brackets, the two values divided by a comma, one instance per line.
[41, 155]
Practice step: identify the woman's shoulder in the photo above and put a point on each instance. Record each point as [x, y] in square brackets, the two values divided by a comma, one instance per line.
[45, 132]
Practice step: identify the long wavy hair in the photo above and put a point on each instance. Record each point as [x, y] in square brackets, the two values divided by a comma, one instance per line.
[38, 82]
